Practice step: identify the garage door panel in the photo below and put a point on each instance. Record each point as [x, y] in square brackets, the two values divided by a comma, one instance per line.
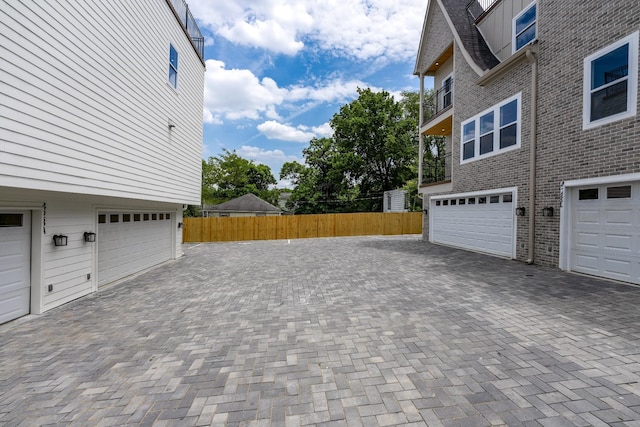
[126, 247]
[15, 266]
[609, 246]
[483, 227]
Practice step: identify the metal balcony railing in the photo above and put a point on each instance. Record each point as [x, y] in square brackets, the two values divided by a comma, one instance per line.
[478, 7]
[189, 24]
[440, 101]
[436, 169]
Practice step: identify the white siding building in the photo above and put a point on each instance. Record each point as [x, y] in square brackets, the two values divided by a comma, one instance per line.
[100, 132]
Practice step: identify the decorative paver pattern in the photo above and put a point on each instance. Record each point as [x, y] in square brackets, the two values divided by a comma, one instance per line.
[365, 331]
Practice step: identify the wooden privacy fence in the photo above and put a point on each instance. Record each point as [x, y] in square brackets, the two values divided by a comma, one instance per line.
[227, 229]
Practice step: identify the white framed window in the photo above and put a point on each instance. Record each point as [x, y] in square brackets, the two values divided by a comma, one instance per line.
[491, 132]
[610, 85]
[173, 66]
[524, 27]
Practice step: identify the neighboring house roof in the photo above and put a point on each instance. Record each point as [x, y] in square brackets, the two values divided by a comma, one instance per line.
[247, 203]
[474, 48]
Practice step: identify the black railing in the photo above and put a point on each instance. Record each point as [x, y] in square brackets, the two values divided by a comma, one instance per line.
[477, 8]
[440, 101]
[189, 24]
[436, 169]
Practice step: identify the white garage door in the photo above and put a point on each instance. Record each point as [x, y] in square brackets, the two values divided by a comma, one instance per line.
[130, 242]
[15, 264]
[605, 231]
[480, 223]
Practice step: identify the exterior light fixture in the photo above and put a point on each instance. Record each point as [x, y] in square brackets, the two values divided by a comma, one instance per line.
[548, 211]
[171, 125]
[89, 236]
[520, 211]
[179, 225]
[60, 240]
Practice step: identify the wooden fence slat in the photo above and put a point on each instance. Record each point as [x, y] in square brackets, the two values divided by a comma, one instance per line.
[229, 229]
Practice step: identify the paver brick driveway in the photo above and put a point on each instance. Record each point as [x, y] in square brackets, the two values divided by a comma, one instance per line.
[360, 331]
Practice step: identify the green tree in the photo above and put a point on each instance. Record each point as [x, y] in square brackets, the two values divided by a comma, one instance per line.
[229, 176]
[377, 139]
[374, 149]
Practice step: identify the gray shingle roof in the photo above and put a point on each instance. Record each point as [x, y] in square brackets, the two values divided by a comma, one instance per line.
[247, 203]
[472, 40]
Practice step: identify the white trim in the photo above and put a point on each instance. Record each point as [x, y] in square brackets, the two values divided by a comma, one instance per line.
[603, 180]
[513, 27]
[496, 129]
[632, 85]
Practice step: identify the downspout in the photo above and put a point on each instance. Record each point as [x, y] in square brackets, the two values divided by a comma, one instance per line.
[532, 155]
[420, 136]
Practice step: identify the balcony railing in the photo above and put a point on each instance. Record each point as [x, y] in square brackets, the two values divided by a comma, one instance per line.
[440, 101]
[189, 24]
[437, 169]
[477, 8]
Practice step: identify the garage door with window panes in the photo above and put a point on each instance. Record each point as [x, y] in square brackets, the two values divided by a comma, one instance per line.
[605, 231]
[129, 242]
[15, 264]
[479, 223]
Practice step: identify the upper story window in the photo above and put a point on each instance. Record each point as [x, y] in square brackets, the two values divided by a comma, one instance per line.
[524, 28]
[173, 66]
[491, 132]
[611, 83]
[447, 87]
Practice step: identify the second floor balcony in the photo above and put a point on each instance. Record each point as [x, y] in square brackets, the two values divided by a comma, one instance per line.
[188, 22]
[439, 102]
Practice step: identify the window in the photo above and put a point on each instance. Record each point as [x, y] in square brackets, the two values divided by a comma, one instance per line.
[507, 198]
[437, 202]
[491, 132]
[145, 217]
[126, 217]
[453, 202]
[611, 83]
[472, 200]
[102, 219]
[114, 218]
[524, 28]
[588, 194]
[468, 140]
[494, 199]
[154, 217]
[10, 220]
[447, 86]
[462, 201]
[173, 66]
[445, 203]
[623, 192]
[136, 217]
[482, 200]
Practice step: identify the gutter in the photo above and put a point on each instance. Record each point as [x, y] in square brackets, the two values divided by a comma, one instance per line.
[532, 153]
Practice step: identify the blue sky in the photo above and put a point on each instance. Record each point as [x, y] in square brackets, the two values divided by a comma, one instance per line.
[278, 70]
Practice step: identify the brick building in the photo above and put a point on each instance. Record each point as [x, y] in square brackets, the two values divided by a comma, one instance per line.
[537, 104]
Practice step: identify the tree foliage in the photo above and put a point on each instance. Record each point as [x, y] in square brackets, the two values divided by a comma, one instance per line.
[228, 176]
[373, 149]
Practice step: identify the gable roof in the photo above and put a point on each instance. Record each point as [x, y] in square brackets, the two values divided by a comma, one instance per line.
[247, 203]
[473, 46]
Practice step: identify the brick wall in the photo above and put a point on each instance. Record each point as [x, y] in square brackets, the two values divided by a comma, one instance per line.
[565, 151]
[438, 34]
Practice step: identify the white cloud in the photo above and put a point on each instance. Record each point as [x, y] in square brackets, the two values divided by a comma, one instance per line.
[274, 130]
[236, 94]
[272, 158]
[362, 29]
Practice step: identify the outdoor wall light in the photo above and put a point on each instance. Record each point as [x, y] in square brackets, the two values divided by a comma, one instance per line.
[171, 125]
[179, 225]
[89, 237]
[548, 211]
[60, 240]
[520, 211]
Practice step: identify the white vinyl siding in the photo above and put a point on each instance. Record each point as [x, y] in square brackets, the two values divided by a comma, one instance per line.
[88, 111]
